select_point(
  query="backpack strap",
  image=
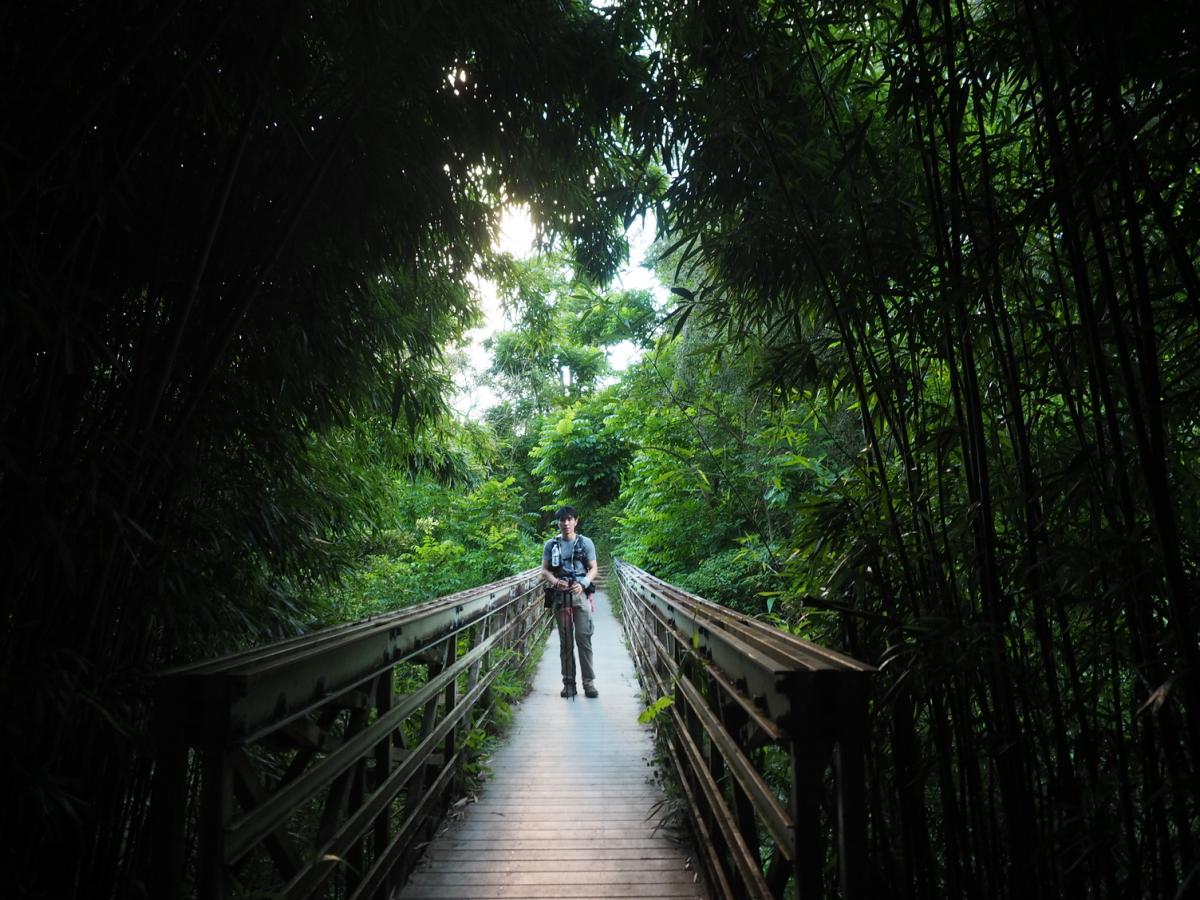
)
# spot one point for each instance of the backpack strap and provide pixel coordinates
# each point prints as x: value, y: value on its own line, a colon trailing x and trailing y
x: 579, y: 553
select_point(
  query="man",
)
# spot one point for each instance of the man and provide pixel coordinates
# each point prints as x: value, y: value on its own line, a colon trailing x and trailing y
x: 569, y: 569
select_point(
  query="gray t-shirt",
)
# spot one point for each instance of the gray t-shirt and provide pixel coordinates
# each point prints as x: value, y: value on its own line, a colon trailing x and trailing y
x: 569, y: 564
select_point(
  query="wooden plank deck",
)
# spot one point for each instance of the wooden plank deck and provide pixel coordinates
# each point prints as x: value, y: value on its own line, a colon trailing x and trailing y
x: 568, y: 809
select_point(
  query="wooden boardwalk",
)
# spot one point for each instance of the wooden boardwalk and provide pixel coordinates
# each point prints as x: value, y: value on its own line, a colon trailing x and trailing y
x: 568, y: 810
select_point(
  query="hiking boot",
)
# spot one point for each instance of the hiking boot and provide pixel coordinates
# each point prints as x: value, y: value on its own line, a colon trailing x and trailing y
x: 591, y: 692
x: 567, y: 691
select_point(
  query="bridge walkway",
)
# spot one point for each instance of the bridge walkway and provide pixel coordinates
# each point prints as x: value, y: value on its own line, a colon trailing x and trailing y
x: 572, y: 808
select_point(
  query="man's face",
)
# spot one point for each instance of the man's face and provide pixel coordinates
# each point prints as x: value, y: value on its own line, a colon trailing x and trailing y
x: 567, y: 526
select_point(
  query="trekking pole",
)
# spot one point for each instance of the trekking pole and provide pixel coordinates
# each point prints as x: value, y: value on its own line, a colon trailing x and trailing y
x: 574, y: 690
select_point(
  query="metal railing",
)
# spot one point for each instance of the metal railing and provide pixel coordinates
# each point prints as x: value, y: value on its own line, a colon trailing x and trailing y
x: 315, y: 765
x: 765, y: 732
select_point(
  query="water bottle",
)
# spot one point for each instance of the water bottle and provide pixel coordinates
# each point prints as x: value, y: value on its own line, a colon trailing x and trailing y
x: 555, y: 556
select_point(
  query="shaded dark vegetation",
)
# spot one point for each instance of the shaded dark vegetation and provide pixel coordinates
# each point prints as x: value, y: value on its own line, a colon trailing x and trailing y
x: 928, y: 394
x: 230, y: 230
x: 976, y: 224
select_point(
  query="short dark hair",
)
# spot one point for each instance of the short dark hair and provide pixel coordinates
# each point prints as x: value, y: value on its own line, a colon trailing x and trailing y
x: 566, y: 512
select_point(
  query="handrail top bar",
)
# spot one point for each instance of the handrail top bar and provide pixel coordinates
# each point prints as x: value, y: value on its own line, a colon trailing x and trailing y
x: 796, y: 649
x: 243, y: 661
x: 763, y: 660
x: 243, y: 695
x: 768, y: 640
x: 786, y: 690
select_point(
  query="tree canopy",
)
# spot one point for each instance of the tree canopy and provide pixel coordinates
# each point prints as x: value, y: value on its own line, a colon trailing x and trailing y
x: 926, y: 391
x: 973, y: 225
x: 228, y: 229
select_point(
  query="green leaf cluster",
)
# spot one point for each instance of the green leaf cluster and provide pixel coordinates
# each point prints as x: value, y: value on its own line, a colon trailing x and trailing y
x: 964, y: 237
x: 440, y: 539
x: 231, y: 234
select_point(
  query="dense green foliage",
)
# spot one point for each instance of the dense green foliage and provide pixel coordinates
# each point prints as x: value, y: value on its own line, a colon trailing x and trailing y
x: 937, y: 407
x: 229, y: 231
x: 441, y: 539
x: 974, y: 226
x: 927, y: 394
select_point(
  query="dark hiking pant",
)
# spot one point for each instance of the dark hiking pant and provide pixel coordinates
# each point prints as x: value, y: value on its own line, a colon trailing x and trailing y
x: 575, y: 627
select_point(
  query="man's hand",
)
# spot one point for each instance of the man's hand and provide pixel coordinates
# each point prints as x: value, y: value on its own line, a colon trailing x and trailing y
x: 560, y: 585
x: 576, y: 587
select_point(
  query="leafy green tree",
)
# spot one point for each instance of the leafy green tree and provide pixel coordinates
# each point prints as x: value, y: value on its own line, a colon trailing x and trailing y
x: 547, y: 359
x: 442, y: 539
x: 228, y: 229
x: 606, y: 318
x: 971, y: 226
x: 550, y: 368
x: 710, y: 469
x: 580, y: 459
